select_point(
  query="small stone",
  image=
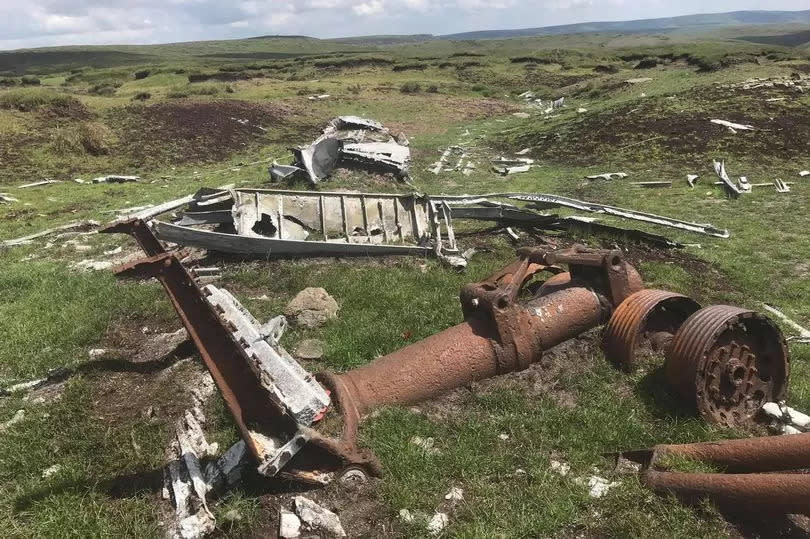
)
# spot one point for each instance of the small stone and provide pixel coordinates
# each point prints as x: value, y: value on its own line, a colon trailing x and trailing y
x: 289, y: 526
x: 406, y: 516
x: 96, y: 353
x: 51, y: 470
x: 438, y: 523
x: 311, y: 308
x: 503, y: 437
x: 353, y: 477
x: 309, y: 349
x: 597, y: 486
x: 560, y: 467
x: 317, y: 517
x: 455, y: 495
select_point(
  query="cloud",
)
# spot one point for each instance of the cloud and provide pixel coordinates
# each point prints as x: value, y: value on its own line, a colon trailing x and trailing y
x: 32, y: 23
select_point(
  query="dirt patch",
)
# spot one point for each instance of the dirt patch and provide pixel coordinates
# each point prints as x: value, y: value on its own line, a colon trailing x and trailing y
x: 199, y: 131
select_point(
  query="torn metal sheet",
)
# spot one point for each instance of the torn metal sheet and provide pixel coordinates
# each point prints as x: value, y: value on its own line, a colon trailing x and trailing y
x: 6, y: 199
x: 691, y: 179
x: 781, y: 186
x: 804, y: 173
x: 280, y: 173
x: 154, y: 211
x: 114, y: 178
x: 217, y: 217
x: 731, y: 188
x: 546, y: 201
x: 391, y: 155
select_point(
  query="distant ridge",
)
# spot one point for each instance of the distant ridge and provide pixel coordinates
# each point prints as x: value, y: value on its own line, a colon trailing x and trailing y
x: 735, y: 18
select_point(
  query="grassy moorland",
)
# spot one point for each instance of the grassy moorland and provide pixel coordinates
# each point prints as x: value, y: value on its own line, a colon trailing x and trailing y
x: 167, y: 113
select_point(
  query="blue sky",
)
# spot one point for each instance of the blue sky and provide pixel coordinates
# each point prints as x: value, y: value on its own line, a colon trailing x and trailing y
x: 34, y: 23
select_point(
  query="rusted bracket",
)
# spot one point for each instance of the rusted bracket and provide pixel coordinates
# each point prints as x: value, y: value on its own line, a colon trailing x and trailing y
x: 138, y: 229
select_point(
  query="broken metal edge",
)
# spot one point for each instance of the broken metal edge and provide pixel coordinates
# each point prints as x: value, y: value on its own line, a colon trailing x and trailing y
x: 247, y: 245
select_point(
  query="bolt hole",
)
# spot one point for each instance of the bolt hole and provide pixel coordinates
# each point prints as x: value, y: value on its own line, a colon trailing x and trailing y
x: 615, y: 261
x: 503, y: 302
x: 738, y: 374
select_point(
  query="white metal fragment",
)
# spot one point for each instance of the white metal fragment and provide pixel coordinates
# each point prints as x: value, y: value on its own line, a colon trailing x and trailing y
x: 582, y: 110
x: 522, y: 115
x: 438, y: 523
x: 38, y: 184
x: 318, y: 517
x: 691, y: 179
x: 524, y: 151
x: 608, y: 176
x: 732, y: 188
x: 114, y: 178
x: 289, y: 525
x: 733, y: 126
x: 6, y: 199
x: 638, y: 80
x: 598, y: 486
x: 804, y: 173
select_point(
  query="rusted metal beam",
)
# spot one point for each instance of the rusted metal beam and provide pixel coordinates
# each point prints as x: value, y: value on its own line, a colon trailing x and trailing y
x: 138, y: 229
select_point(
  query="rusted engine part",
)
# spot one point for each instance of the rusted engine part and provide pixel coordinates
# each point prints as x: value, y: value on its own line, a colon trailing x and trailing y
x: 646, y: 320
x: 271, y: 402
x: 727, y: 362
x: 499, y: 335
x: 300, y: 223
x: 751, y: 478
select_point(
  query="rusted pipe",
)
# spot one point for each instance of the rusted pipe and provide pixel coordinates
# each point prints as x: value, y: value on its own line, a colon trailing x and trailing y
x: 766, y: 454
x: 470, y: 351
x: 771, y: 493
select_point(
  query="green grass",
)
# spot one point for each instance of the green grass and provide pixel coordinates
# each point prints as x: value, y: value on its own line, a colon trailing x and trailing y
x: 51, y: 314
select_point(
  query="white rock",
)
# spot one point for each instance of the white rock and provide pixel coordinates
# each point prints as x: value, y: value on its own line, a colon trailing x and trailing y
x: 598, y: 486
x: 406, y: 516
x: 289, y: 526
x: 96, y: 353
x: 426, y: 445
x: 317, y: 517
x: 804, y: 173
x: 503, y: 437
x: 456, y: 494
x: 560, y: 467
x: 51, y: 470
x: 581, y: 110
x: 438, y: 523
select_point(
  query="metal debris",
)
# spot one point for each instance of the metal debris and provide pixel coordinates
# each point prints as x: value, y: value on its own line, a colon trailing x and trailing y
x: 18, y: 416
x: 320, y: 97
x: 353, y: 140
x: 733, y: 127
x: 545, y: 201
x: 781, y: 186
x: 638, y: 80
x: 804, y: 173
x: 75, y: 225
x: 39, y: 184
x: 691, y: 179
x: 653, y: 184
x: 113, y: 178
x: 6, y: 199
x: 279, y: 173
x: 731, y: 188
x: 506, y: 166
x: 608, y: 176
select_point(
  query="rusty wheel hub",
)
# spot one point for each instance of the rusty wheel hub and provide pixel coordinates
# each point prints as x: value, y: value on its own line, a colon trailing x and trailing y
x: 647, y: 319
x: 729, y: 362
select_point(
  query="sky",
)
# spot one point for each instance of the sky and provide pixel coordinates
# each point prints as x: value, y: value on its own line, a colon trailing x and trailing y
x: 38, y: 23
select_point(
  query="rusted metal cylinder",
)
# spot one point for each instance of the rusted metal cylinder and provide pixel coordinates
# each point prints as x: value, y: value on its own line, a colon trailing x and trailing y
x: 469, y: 351
x: 765, y: 454
x: 772, y: 493
x: 727, y: 362
x: 644, y: 313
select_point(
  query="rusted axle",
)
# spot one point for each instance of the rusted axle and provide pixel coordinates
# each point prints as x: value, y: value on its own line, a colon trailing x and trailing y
x: 749, y: 483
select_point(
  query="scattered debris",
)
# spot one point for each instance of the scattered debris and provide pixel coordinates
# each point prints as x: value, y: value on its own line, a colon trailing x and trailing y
x: 426, y: 445
x: 309, y: 349
x: 561, y: 468
x: 691, y: 179
x: 318, y: 518
x: 350, y: 139
x: 597, y: 486
x: 638, y: 80
x: 608, y: 176
x: 786, y: 420
x: 522, y: 115
x: 6, y: 199
x: 653, y: 184
x: 506, y: 166
x: 115, y: 179
x: 804, y: 173
x: 75, y: 225
x: 320, y: 97
x: 279, y: 173
x: 524, y: 151
x: 731, y: 188
x: 38, y: 184
x: 438, y: 523
x: 311, y: 308
x: 96, y: 353
x: 454, y: 495
x: 781, y: 186
x: 733, y: 127
x: 581, y: 110
x: 18, y: 416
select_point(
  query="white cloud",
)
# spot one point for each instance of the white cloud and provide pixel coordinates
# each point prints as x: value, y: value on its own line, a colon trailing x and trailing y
x: 374, y: 7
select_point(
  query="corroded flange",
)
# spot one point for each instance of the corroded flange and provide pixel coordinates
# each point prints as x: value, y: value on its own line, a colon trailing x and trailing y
x: 728, y: 362
x: 646, y: 316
